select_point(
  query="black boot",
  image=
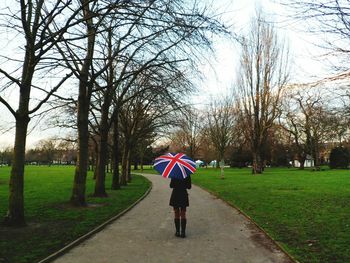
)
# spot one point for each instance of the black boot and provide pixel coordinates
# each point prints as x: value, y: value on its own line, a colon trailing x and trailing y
x: 183, y: 227
x: 177, y: 226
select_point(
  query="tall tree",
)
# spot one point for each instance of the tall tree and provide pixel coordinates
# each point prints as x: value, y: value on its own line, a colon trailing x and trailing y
x: 78, y: 51
x: 262, y: 76
x: 220, y: 126
x: 150, y: 111
x: 41, y: 25
x: 154, y: 35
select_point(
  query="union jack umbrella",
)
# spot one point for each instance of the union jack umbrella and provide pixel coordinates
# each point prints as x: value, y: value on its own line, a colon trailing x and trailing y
x: 175, y: 166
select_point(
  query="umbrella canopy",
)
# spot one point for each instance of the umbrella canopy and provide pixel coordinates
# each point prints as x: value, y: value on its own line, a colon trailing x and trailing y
x: 176, y: 166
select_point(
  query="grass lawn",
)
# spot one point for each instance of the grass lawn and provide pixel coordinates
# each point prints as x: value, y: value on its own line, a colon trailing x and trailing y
x: 307, y: 212
x: 52, y: 222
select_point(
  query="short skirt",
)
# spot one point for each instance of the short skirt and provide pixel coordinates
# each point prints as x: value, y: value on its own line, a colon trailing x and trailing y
x: 179, y: 198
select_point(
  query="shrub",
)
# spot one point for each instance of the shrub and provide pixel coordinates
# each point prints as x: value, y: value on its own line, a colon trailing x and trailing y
x: 339, y: 158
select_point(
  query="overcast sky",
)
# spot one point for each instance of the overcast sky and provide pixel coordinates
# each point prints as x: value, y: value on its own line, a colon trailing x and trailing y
x: 220, y: 73
x: 304, y: 54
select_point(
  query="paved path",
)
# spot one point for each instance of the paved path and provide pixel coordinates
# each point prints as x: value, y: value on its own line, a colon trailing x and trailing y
x: 215, y: 233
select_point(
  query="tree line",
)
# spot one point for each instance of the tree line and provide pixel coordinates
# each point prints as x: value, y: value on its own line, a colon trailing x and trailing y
x: 307, y: 127
x: 115, y: 71
x: 118, y: 74
x: 267, y: 120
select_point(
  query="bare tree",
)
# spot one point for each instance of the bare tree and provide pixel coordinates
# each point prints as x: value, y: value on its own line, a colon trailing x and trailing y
x: 49, y: 151
x: 148, y: 43
x: 262, y: 76
x: 78, y: 52
x: 144, y: 34
x: 187, y: 135
x: 41, y: 25
x: 329, y: 20
x: 6, y: 156
x: 151, y: 111
x: 220, y: 127
x: 310, y: 123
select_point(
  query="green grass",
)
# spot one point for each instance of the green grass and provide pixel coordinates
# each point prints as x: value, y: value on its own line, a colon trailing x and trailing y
x: 52, y: 222
x: 307, y: 213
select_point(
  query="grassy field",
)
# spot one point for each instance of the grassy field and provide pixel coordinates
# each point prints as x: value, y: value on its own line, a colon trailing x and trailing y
x: 52, y: 222
x: 306, y: 212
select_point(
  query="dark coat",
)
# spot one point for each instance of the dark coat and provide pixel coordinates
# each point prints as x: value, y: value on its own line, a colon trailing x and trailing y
x: 179, y: 196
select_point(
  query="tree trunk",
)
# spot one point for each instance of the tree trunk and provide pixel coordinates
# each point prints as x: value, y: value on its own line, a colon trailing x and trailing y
x: 141, y: 161
x: 222, y: 176
x: 100, y: 189
x: 125, y: 166
x: 79, y: 184
x: 115, y: 179
x: 136, y: 165
x: 125, y: 178
x: 95, y: 169
x: 302, y: 162
x: 15, y: 214
x: 93, y: 161
x: 102, y: 165
x: 85, y: 89
x: 257, y: 168
x: 129, y: 170
x: 316, y: 156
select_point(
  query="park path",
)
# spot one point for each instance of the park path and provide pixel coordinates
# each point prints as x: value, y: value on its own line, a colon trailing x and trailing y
x: 215, y: 233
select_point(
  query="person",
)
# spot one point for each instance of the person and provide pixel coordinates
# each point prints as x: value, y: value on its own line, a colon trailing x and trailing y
x: 179, y: 201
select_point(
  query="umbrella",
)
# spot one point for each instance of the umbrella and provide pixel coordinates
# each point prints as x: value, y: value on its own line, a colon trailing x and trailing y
x: 176, y: 166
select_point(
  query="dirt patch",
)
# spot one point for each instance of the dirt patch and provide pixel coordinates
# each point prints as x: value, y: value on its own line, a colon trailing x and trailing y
x: 260, y: 238
x: 91, y: 205
x: 69, y: 206
x: 265, y: 241
x: 26, y: 230
x: 33, y: 241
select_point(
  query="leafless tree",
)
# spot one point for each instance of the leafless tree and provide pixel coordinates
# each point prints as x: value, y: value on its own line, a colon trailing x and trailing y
x: 330, y: 21
x: 310, y: 122
x: 262, y: 76
x: 155, y: 37
x: 151, y: 111
x: 38, y: 26
x: 220, y: 126
x: 188, y: 133
x: 6, y: 156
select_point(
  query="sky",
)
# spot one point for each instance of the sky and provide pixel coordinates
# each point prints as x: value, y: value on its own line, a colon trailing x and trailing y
x: 219, y: 73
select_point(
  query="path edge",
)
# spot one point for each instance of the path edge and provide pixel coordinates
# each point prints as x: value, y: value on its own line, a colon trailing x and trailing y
x: 97, y: 229
x: 250, y: 220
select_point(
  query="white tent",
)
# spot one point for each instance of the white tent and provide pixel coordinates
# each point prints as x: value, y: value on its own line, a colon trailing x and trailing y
x: 199, y: 163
